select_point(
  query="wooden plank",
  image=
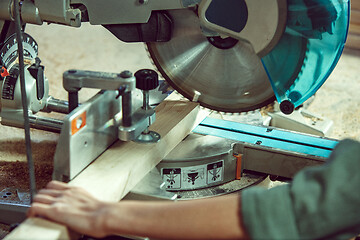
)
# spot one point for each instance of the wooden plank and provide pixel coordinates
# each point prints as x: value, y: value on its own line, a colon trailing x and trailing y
x: 122, y: 166
x: 41, y: 229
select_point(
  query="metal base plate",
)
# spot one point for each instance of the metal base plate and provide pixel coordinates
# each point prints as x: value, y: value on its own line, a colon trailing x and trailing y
x: 199, y: 167
x: 13, y: 205
x: 150, y: 137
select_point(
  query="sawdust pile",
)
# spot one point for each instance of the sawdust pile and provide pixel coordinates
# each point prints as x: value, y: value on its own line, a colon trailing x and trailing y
x: 15, y: 174
x: 4, y: 230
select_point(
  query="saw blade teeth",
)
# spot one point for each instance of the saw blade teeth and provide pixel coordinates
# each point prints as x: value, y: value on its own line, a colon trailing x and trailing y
x: 301, y: 71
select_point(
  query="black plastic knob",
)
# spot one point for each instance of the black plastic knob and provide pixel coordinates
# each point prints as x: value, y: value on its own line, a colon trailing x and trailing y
x: 146, y: 79
x: 287, y: 107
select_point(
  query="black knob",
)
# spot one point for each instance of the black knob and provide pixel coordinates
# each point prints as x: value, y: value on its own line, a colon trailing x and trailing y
x: 146, y: 79
x: 287, y: 107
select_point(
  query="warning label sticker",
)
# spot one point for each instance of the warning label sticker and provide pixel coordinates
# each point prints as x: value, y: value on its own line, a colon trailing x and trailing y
x: 193, y: 177
x: 172, y: 178
x: 215, y: 172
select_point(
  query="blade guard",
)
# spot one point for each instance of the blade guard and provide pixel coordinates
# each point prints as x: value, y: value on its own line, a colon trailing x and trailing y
x: 318, y: 29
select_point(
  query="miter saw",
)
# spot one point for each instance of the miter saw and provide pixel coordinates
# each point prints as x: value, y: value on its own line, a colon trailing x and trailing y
x: 230, y: 56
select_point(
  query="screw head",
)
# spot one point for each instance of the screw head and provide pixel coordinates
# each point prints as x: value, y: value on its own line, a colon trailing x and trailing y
x: 126, y: 74
x: 79, y: 122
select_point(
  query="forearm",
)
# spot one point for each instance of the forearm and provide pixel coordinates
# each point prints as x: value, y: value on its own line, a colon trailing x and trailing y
x: 216, y: 218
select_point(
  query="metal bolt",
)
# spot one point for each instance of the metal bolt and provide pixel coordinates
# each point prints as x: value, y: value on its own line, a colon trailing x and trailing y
x: 79, y: 122
x: 126, y: 74
x: 143, y: 1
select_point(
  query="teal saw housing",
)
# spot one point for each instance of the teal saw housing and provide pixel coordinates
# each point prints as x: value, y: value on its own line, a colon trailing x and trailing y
x: 314, y: 38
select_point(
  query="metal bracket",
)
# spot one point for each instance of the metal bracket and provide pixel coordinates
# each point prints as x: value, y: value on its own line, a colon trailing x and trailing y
x: 58, y: 12
x: 273, y: 161
x: 302, y: 121
x: 13, y: 206
x: 140, y: 121
x: 86, y: 133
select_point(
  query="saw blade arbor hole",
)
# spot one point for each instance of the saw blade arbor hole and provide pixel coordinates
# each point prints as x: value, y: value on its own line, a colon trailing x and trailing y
x: 223, y: 43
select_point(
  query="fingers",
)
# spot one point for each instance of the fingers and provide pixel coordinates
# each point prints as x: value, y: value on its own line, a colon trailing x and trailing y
x: 49, y: 212
x: 45, y: 199
x: 39, y: 209
x: 50, y: 192
x: 53, y: 189
x: 57, y: 185
x: 44, y: 202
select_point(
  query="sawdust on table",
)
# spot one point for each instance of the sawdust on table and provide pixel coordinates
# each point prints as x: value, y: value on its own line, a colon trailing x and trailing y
x: 15, y: 173
x: 4, y: 230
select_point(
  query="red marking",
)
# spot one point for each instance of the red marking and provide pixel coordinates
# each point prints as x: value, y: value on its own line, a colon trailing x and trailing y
x: 4, y: 72
x: 78, y: 123
x: 238, y: 166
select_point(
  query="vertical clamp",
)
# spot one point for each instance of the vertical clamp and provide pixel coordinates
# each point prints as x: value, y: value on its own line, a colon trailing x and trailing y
x: 142, y: 118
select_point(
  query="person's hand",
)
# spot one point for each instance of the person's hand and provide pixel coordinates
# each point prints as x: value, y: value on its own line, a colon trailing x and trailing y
x: 71, y: 206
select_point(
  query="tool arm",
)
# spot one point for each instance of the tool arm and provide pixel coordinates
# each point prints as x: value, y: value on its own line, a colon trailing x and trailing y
x: 215, y: 218
x: 73, y: 12
x: 321, y: 203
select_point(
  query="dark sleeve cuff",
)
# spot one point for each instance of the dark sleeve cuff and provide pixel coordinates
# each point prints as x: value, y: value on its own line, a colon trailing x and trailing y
x: 267, y: 214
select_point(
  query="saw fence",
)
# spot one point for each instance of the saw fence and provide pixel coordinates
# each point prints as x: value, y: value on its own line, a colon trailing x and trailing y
x: 354, y: 31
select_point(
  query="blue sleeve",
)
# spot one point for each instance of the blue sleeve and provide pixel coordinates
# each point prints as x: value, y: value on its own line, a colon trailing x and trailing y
x: 322, y: 202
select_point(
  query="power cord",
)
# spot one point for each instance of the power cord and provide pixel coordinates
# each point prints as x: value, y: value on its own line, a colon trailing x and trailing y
x: 18, y: 32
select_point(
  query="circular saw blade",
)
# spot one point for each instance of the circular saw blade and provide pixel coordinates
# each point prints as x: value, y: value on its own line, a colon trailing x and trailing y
x: 229, y: 80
